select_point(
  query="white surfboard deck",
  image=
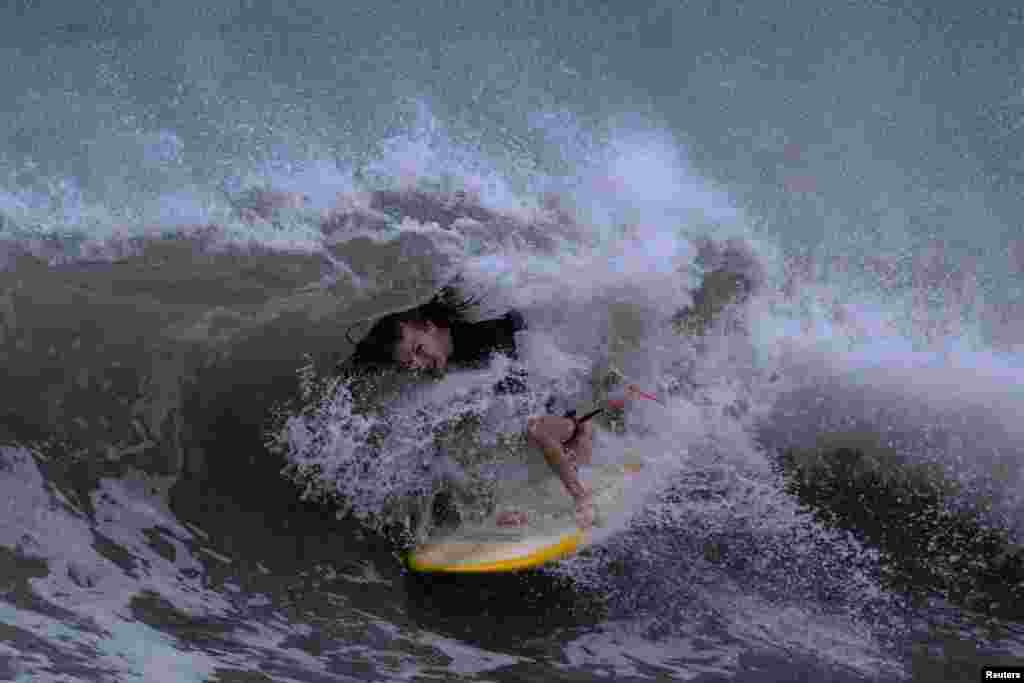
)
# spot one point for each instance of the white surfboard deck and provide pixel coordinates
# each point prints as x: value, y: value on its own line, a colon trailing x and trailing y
x: 550, y: 532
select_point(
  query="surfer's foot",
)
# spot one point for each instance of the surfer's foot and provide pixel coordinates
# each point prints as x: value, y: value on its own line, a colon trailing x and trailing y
x: 511, y: 518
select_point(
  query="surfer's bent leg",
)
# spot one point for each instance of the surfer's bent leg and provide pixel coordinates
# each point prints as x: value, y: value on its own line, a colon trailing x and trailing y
x: 548, y: 434
x: 581, y: 448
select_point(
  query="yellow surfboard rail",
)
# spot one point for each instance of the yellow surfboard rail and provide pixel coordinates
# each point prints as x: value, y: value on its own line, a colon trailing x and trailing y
x: 466, y: 555
x: 565, y: 546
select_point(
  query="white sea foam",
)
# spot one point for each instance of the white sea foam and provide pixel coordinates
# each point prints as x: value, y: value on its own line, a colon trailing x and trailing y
x: 904, y: 341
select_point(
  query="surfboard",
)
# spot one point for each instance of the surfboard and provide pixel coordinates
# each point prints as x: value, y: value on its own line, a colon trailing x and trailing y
x: 550, y: 532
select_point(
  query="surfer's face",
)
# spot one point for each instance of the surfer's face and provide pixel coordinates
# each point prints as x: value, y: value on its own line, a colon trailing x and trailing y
x: 424, y: 347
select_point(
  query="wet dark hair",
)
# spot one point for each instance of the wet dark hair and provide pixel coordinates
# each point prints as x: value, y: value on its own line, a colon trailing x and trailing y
x: 377, y: 349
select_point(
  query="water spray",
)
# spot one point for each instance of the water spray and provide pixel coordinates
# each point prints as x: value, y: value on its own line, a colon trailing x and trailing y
x: 632, y: 393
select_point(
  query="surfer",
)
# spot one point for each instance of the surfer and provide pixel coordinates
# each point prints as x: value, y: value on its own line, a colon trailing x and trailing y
x: 437, y: 335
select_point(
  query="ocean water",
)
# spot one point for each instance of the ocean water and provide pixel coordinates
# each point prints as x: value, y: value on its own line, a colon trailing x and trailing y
x: 798, y: 224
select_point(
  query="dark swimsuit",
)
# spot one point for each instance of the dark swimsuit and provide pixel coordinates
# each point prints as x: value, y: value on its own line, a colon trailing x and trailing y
x: 474, y: 343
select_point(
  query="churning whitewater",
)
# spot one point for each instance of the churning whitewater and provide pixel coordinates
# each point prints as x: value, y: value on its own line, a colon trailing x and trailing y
x: 797, y: 227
